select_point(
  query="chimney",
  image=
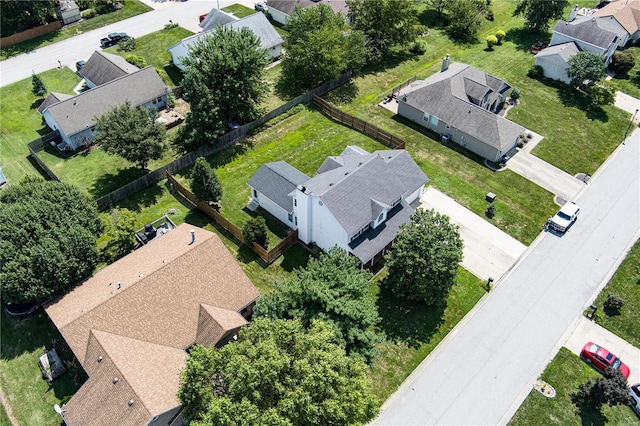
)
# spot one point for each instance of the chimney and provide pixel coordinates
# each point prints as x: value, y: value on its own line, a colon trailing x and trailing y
x: 445, y: 63
x: 573, y: 13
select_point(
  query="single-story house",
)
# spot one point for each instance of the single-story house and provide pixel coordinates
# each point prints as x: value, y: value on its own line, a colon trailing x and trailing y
x: 68, y: 11
x: 132, y: 324
x: 356, y: 201
x: 104, y: 67
x: 74, y: 116
x: 270, y: 40
x: 215, y: 18
x: 461, y: 103
x: 626, y: 13
x: 280, y: 10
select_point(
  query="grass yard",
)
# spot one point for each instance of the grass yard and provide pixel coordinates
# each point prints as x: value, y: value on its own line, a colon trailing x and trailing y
x: 130, y: 8
x: 565, y: 373
x: 629, y: 83
x: 239, y: 10
x: 625, y: 282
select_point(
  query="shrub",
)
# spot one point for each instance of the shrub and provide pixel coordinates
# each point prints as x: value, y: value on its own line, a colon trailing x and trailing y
x: 536, y: 71
x: 500, y: 35
x: 613, y: 304
x: 89, y: 13
x: 136, y: 60
x: 491, y: 41
x: 418, y: 48
x: 491, y: 210
x: 515, y: 95
x: 490, y: 16
x: 127, y: 45
x: 520, y: 143
x: 623, y: 61
x: 255, y: 231
x: 170, y: 26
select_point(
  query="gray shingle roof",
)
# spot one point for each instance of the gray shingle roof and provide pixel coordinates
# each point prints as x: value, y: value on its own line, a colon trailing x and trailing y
x: 78, y: 112
x: 288, y: 6
x: 585, y: 29
x: 277, y: 181
x: 104, y: 67
x: 443, y: 95
x: 216, y: 18
x: 565, y: 50
x: 53, y: 98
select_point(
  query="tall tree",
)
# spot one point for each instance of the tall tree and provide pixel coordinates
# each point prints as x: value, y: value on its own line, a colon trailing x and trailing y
x: 423, y: 263
x: 119, y: 229
x: 334, y: 290
x: 255, y: 231
x: 16, y: 15
x: 319, y: 46
x: 610, y: 388
x: 538, y: 13
x: 224, y: 78
x: 602, y: 94
x: 47, y: 239
x: 37, y: 85
x: 465, y: 19
x: 131, y: 133
x: 439, y: 6
x: 204, y: 182
x: 277, y: 373
x: 586, y: 68
x: 385, y: 24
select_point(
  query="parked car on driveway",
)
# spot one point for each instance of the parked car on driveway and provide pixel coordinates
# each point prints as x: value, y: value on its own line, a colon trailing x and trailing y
x: 112, y: 39
x: 565, y: 217
x: 600, y: 359
x: 634, y: 398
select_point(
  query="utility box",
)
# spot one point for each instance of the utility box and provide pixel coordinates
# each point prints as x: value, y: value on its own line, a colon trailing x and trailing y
x: 490, y: 197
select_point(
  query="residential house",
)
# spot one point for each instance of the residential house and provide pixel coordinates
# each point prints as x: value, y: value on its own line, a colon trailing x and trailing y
x: 280, y: 10
x: 270, y: 40
x: 461, y: 103
x: 104, y: 67
x: 626, y: 13
x: 356, y: 201
x: 132, y: 324
x: 68, y: 11
x: 215, y: 18
x: 74, y: 117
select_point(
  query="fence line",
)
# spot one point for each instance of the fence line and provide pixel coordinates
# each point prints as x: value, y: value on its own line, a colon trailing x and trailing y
x: 267, y: 256
x: 29, y: 34
x: 38, y: 145
x: 396, y: 90
x: 359, y: 124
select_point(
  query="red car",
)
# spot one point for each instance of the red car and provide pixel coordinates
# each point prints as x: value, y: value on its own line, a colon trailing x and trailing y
x: 601, y: 358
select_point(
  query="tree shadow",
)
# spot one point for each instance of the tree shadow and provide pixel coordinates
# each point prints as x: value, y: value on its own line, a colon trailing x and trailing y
x: 227, y: 155
x: 571, y: 97
x: 410, y: 322
x: 524, y: 38
x: 142, y: 199
x: 174, y: 74
x: 431, y: 19
x: 36, y: 103
x: 295, y: 257
x: 589, y: 415
x: 111, y: 181
x: 344, y: 94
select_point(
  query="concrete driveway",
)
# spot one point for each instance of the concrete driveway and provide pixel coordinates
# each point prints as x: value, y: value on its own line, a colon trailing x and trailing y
x: 488, y: 251
x: 588, y: 331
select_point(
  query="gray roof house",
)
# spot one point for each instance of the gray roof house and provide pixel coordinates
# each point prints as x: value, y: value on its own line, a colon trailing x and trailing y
x: 280, y: 10
x: 74, y: 116
x: 356, y: 201
x: 215, y: 18
x: 270, y: 40
x: 461, y: 104
x: 104, y: 67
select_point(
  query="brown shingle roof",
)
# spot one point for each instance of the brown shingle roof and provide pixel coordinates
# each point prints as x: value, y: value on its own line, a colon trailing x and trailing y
x: 144, y: 326
x: 626, y: 12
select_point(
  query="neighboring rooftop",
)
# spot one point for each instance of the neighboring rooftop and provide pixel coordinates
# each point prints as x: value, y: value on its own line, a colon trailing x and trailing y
x: 277, y: 181
x: 215, y: 18
x: 288, y: 6
x: 626, y: 12
x: 565, y: 50
x: 104, y: 67
x: 587, y: 30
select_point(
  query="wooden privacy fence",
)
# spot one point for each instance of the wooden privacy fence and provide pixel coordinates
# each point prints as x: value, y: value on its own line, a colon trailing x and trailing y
x: 267, y: 256
x: 38, y: 145
x: 29, y: 34
x: 372, y: 130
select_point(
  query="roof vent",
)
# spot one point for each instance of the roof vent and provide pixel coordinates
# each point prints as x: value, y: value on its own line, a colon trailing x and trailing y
x: 331, y: 184
x: 119, y: 285
x: 115, y: 380
x: 140, y: 275
x: 100, y: 360
x: 84, y: 309
x: 130, y: 402
x: 346, y: 173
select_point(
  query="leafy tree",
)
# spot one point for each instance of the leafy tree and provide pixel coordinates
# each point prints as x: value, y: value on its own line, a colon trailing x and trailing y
x: 38, y: 88
x: 224, y: 78
x: 491, y: 41
x: 47, y: 239
x: 334, y: 290
x: 500, y: 35
x: 602, y: 94
x: 127, y: 44
x: 136, y: 60
x: 610, y: 388
x: 385, y: 24
x: 465, y: 19
x: 586, y: 67
x: 538, y: 13
x: 131, y: 133
x: 424, y: 260
x: 623, y: 61
x: 204, y: 182
x: 119, y: 227
x: 439, y: 6
x: 255, y: 231
x: 613, y: 304
x: 515, y: 94
x: 277, y: 373
x: 319, y: 47
x: 16, y: 16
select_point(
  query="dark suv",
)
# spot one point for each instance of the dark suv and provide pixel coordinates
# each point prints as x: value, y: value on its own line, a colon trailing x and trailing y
x: 112, y: 39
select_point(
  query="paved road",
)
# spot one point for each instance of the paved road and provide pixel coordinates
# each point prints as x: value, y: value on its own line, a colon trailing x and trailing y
x: 82, y: 46
x: 485, y: 367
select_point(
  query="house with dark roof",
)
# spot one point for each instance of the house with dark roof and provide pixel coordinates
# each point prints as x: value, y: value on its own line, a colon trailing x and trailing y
x: 626, y: 13
x: 74, y: 117
x: 215, y: 18
x: 270, y: 40
x: 132, y: 324
x: 280, y: 10
x: 104, y: 67
x: 461, y: 103
x: 356, y: 201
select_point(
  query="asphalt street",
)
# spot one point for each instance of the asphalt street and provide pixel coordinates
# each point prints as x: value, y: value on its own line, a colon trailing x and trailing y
x: 485, y: 367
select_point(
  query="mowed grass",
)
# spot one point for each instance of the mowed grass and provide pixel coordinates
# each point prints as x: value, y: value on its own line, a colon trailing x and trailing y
x: 130, y: 8
x: 626, y: 283
x: 565, y: 373
x: 239, y: 10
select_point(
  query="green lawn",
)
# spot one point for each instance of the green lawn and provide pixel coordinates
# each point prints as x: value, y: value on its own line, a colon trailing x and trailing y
x: 565, y: 373
x: 130, y: 8
x: 629, y: 83
x: 625, y: 282
x: 4, y: 418
x: 239, y: 10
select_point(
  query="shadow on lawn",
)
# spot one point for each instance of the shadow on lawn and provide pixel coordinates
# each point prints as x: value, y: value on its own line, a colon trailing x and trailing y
x: 524, y: 38
x: 112, y: 181
x: 411, y: 322
x: 589, y: 415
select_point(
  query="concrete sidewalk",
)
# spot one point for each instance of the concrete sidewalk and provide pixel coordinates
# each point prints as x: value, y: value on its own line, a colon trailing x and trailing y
x: 488, y: 251
x: 589, y: 331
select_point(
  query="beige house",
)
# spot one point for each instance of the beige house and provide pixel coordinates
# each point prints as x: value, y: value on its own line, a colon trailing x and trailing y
x: 132, y: 324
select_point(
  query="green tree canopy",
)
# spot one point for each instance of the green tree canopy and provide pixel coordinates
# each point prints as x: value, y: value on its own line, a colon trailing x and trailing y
x: 131, y: 133
x: 37, y: 85
x: 119, y: 227
x: 224, y: 78
x: 277, y: 373
x: 602, y: 94
x: 47, y: 239
x: 16, y: 15
x: 586, y: 67
x: 319, y: 47
x: 385, y: 24
x: 334, y: 290
x: 255, y: 231
x: 465, y: 19
x: 204, y: 182
x: 439, y: 6
x: 538, y: 13
x: 423, y: 263
x: 610, y: 388
x: 623, y: 61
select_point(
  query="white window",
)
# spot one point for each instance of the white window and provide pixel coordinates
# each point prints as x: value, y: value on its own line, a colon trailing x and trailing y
x: 290, y: 217
x: 434, y: 120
